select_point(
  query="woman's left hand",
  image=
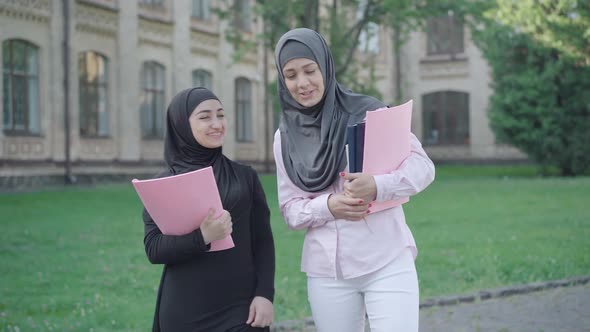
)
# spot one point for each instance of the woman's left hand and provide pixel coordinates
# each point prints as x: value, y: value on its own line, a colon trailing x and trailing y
x: 359, y: 185
x: 261, y: 312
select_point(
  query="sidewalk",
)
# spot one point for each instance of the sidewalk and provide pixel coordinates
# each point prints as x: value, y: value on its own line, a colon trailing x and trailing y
x: 565, y: 309
x: 555, y: 306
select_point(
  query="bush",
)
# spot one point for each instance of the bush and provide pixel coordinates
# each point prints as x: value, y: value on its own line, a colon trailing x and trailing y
x: 541, y: 99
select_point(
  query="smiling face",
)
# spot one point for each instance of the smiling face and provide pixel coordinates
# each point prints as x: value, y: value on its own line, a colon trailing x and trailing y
x: 304, y: 81
x: 208, y: 123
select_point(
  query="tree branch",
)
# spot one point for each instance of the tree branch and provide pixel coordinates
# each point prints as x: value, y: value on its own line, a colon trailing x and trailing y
x: 355, y: 31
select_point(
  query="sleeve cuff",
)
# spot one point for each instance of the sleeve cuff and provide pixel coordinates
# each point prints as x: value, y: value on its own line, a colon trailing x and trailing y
x: 381, y: 181
x: 319, y: 208
x: 200, y: 241
x: 269, y: 294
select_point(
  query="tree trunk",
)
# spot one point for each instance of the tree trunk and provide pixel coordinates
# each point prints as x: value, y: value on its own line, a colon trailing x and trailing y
x: 398, y: 65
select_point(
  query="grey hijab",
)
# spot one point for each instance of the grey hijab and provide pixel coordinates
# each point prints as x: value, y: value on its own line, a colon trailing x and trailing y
x: 313, y: 138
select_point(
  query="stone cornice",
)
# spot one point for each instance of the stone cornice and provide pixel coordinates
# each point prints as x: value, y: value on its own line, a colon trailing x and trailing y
x: 441, y: 69
x: 104, y: 4
x: 204, y: 43
x: 96, y: 20
x: 156, y: 33
x: 29, y: 10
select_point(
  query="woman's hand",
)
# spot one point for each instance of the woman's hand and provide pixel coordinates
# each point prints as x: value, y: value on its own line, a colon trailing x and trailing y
x: 216, y: 229
x: 261, y: 312
x: 344, y: 207
x: 360, y: 186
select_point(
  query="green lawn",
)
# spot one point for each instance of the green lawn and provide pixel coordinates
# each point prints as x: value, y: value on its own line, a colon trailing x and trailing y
x: 73, y: 259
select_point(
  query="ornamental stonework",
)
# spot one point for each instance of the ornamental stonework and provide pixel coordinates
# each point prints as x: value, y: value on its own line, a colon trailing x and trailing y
x: 444, y: 69
x: 155, y: 33
x: 27, y: 10
x: 24, y: 148
x: 250, y: 58
x: 204, y: 43
x: 152, y: 149
x: 96, y: 20
x: 97, y: 149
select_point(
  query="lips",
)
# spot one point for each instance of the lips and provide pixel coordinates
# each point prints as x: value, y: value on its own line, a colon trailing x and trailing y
x: 306, y: 95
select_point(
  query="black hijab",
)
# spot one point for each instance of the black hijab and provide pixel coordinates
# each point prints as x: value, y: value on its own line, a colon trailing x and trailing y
x: 183, y: 153
x: 313, y: 138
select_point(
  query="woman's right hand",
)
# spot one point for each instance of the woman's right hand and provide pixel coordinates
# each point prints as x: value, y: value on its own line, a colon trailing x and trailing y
x: 216, y: 228
x: 345, y: 207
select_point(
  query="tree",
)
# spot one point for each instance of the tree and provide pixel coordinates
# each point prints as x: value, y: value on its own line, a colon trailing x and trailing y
x: 342, y: 28
x: 540, y: 102
x: 560, y: 24
x: 343, y: 22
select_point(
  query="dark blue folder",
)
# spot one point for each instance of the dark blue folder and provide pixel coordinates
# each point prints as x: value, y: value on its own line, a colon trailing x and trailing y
x: 355, y: 138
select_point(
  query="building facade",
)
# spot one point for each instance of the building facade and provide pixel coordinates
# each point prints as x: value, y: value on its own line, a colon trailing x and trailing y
x: 104, y: 71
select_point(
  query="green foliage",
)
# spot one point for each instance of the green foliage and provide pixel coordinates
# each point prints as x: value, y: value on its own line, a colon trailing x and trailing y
x: 341, y: 23
x: 367, y: 86
x: 560, y: 24
x: 540, y: 102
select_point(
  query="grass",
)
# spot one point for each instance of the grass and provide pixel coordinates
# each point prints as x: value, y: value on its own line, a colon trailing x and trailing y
x: 73, y: 259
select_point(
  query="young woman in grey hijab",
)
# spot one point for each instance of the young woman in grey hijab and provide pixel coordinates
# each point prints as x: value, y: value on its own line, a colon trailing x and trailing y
x: 353, y: 268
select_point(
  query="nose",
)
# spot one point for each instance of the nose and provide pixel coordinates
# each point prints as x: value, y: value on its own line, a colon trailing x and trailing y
x: 216, y: 123
x: 302, y: 82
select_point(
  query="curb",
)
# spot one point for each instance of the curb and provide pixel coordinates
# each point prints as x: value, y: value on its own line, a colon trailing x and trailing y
x: 486, y: 294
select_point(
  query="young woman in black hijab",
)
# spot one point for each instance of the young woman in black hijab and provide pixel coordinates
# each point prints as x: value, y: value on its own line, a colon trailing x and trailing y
x: 228, y: 290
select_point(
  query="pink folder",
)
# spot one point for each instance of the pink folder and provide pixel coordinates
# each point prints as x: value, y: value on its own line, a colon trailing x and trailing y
x: 179, y: 203
x: 387, y: 144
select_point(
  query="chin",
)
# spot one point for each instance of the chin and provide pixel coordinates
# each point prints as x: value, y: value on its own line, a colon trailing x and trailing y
x: 309, y: 103
x: 214, y: 145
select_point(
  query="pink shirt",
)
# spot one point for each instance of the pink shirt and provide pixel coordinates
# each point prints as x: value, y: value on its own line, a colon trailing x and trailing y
x: 341, y: 249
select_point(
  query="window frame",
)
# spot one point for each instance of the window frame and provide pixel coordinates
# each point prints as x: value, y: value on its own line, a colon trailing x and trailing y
x: 206, y: 76
x: 204, y: 10
x: 156, y: 70
x: 448, y: 113
x: 153, y: 3
x: 243, y: 15
x: 28, y: 76
x: 436, y: 27
x: 243, y: 107
x: 89, y: 109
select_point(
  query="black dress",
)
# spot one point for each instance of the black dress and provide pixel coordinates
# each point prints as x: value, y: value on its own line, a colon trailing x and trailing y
x: 212, y: 291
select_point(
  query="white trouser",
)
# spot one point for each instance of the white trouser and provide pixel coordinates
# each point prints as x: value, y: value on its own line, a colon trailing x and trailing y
x: 389, y: 296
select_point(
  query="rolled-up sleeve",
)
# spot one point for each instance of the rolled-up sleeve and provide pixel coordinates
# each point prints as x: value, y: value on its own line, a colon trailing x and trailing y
x: 414, y: 174
x: 299, y: 209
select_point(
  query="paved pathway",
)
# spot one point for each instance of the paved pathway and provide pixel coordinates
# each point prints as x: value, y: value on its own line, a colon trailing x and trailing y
x: 561, y: 306
x: 565, y: 309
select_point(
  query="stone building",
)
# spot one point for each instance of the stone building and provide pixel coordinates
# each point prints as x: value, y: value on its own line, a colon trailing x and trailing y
x: 126, y: 59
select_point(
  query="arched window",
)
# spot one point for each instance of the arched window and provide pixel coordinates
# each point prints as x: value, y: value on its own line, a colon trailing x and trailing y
x: 202, y: 78
x: 20, y: 81
x: 93, y: 94
x: 445, y: 117
x: 243, y: 110
x: 153, y: 84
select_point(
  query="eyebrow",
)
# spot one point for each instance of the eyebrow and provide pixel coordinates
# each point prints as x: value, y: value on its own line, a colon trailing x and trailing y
x: 209, y: 111
x: 304, y: 66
